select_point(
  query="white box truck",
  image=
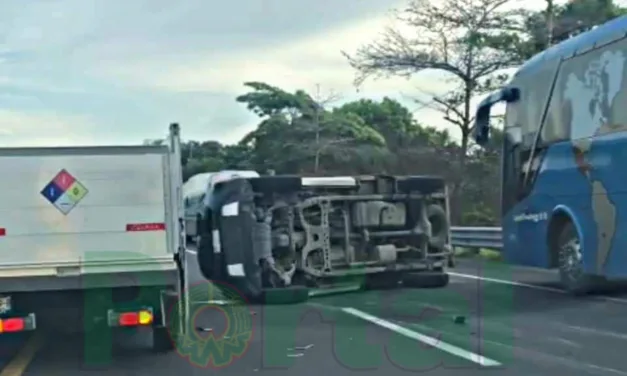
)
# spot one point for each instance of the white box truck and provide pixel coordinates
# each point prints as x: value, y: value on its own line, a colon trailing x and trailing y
x: 91, y: 237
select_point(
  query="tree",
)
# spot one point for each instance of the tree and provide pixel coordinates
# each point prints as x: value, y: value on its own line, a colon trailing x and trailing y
x: 360, y: 137
x: 470, y: 40
x: 559, y: 22
x: 296, y: 129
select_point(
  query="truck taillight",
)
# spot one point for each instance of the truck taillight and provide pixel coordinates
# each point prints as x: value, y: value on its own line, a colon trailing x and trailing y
x: 3, y: 231
x: 135, y: 318
x: 12, y: 325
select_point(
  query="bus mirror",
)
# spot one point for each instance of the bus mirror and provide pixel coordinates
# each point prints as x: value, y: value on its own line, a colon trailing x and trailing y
x: 510, y: 94
x: 482, y: 125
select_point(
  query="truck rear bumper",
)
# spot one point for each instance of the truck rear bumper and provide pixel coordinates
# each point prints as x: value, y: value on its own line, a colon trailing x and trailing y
x: 74, y: 311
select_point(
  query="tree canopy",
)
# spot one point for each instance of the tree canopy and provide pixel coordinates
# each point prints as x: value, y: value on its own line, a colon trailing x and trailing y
x: 473, y: 41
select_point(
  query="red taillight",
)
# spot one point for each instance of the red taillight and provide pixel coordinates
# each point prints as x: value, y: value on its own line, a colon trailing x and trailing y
x: 12, y: 325
x: 143, y: 317
x: 145, y: 227
x: 3, y: 231
x: 128, y: 319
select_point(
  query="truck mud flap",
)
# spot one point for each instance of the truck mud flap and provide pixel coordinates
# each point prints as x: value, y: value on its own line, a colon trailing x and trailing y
x: 233, y: 217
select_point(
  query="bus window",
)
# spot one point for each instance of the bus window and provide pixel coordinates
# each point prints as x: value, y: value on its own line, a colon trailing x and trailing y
x: 535, y: 93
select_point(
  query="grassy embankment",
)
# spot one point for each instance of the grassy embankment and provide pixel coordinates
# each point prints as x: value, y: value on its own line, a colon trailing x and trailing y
x: 486, y: 254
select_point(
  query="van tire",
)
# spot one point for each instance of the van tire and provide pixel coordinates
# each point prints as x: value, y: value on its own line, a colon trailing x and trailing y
x: 437, y: 215
x: 276, y: 184
x: 426, y: 280
x: 383, y: 281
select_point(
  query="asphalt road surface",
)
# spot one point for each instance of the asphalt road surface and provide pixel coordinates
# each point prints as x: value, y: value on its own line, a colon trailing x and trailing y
x: 492, y: 318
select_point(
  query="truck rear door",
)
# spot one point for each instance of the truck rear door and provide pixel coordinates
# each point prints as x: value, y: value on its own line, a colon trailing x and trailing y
x: 84, y: 207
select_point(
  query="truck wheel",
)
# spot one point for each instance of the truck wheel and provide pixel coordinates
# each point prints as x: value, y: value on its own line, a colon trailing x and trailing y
x: 161, y: 340
x: 570, y: 263
x: 383, y: 281
x: 285, y: 295
x: 426, y: 280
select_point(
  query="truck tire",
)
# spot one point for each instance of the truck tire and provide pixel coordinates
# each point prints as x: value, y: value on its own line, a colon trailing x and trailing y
x: 285, y: 295
x: 162, y: 342
x: 276, y: 184
x: 570, y: 264
x: 426, y: 280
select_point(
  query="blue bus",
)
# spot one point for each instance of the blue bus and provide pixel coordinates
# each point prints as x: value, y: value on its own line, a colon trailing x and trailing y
x: 564, y: 161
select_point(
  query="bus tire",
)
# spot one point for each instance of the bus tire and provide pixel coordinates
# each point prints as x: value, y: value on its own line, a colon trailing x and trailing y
x: 570, y: 263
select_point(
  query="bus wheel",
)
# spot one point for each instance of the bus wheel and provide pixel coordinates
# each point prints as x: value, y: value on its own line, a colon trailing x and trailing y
x: 570, y: 262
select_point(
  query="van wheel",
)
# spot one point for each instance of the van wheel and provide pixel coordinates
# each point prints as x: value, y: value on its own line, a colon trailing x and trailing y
x: 570, y: 263
x: 383, y: 281
x: 426, y: 280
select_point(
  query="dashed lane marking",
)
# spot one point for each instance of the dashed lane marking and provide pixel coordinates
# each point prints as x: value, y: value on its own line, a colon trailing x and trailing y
x: 430, y: 341
x: 531, y: 286
x: 24, y: 357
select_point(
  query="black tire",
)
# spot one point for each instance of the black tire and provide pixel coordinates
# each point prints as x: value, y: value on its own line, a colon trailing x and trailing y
x: 570, y: 263
x: 424, y: 280
x: 276, y: 184
x: 423, y: 184
x: 162, y: 342
x: 284, y: 295
x: 383, y: 281
x: 439, y: 222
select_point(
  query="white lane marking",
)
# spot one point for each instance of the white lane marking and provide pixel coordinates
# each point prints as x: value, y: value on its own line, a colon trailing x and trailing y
x: 535, y: 287
x: 191, y: 251
x: 216, y: 302
x: 596, y: 332
x: 505, y: 282
x: 430, y: 341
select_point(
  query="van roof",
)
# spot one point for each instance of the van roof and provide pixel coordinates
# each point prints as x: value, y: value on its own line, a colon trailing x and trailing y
x: 603, y: 33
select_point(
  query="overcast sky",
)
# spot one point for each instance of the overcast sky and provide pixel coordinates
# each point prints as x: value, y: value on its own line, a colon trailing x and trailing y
x: 117, y: 72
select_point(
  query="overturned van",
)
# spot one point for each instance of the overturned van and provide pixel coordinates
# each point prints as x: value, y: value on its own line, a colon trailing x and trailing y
x: 290, y: 233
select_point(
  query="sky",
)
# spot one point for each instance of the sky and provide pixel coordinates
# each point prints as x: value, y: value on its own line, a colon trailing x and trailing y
x: 102, y: 72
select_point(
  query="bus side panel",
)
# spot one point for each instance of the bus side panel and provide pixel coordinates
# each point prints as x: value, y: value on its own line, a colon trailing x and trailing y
x: 525, y: 226
x: 608, y: 205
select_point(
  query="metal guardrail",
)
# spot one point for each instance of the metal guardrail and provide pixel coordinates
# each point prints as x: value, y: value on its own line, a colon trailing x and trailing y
x: 477, y: 237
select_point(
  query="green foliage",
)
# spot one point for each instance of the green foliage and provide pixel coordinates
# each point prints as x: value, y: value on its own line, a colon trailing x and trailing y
x: 298, y: 135
x: 471, y: 40
x: 569, y: 19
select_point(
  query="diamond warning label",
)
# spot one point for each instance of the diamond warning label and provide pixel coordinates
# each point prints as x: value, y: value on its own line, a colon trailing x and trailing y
x: 64, y: 192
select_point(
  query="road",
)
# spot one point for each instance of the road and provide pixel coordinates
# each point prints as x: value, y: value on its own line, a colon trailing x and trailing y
x: 492, y: 318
